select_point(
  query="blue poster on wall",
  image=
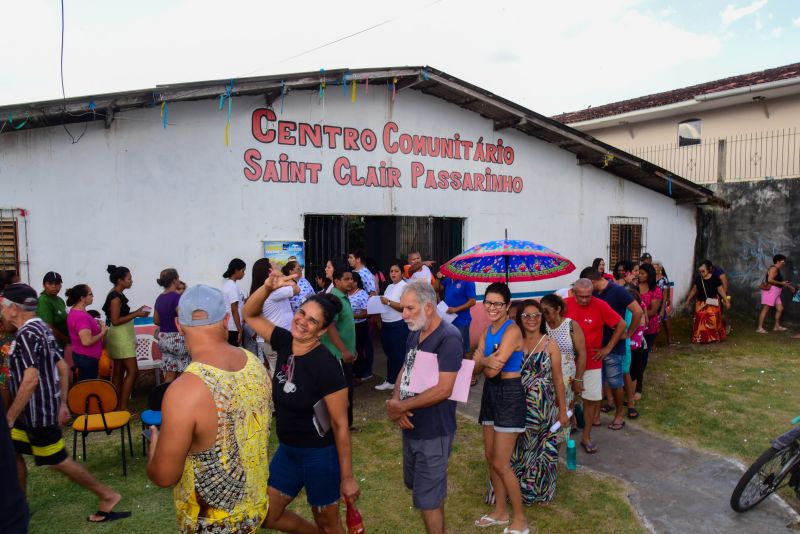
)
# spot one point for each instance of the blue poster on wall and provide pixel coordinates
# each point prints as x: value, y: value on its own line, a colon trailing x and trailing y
x: 279, y: 253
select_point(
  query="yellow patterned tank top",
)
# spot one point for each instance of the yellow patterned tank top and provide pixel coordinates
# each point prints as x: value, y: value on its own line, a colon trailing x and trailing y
x: 224, y: 488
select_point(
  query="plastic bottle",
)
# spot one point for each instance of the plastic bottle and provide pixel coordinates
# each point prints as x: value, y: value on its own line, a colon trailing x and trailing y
x: 355, y: 524
x: 579, y: 420
x: 572, y: 456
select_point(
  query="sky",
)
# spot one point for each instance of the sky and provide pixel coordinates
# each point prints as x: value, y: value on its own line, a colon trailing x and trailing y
x: 549, y: 56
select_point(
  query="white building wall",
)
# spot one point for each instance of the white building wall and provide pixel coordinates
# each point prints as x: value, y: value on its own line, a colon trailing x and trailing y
x: 148, y: 198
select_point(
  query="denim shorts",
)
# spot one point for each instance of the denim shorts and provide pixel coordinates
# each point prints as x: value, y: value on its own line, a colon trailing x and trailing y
x: 612, y: 371
x: 425, y: 470
x: 503, y: 405
x: 315, y: 468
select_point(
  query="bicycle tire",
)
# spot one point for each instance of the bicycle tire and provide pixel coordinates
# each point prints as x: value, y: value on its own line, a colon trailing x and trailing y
x: 740, y: 505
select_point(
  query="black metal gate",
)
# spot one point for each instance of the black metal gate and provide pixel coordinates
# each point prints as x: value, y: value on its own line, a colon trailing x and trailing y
x: 382, y: 238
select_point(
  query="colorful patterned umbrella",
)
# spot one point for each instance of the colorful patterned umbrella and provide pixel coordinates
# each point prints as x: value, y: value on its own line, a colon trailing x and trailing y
x: 507, y: 260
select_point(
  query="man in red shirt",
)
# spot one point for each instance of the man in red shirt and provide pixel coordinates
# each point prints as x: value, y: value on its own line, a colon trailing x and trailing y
x: 592, y: 314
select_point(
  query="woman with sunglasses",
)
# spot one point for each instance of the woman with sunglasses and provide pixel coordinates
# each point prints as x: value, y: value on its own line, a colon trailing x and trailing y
x: 502, y: 415
x: 308, y: 384
x: 85, y: 333
x: 535, y: 457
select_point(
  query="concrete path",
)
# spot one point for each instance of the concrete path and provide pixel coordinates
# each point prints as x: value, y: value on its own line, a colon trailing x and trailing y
x: 673, y: 489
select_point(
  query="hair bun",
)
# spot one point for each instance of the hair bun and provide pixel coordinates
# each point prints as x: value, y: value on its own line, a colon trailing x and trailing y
x: 111, y: 268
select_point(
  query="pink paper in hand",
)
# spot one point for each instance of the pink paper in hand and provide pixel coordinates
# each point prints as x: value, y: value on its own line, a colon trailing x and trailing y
x: 425, y: 375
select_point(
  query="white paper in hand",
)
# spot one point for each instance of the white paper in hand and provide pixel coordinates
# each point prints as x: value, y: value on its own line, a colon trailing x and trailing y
x: 375, y: 306
x: 441, y: 308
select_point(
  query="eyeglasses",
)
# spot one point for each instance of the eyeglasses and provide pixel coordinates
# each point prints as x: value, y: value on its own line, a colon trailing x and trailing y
x: 490, y: 304
x: 535, y: 315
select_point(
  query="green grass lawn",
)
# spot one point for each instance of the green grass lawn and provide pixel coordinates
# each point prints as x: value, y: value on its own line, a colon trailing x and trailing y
x: 584, y: 502
x: 731, y: 397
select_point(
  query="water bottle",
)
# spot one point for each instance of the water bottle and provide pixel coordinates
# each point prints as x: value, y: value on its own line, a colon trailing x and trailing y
x: 355, y: 524
x: 572, y: 456
x: 579, y: 420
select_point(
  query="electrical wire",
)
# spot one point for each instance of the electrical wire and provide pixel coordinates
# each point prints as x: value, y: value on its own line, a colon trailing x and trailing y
x: 63, y: 92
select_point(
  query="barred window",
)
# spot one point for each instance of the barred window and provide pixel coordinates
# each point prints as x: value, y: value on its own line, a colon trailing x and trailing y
x: 627, y: 239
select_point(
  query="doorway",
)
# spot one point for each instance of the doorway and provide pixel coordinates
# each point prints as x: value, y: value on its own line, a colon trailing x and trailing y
x: 382, y: 238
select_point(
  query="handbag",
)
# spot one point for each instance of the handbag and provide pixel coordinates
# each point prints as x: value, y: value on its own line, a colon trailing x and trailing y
x: 321, y: 418
x: 709, y: 301
x: 765, y: 285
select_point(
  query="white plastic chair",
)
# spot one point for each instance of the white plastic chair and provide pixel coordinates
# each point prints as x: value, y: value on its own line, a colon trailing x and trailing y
x: 144, y: 355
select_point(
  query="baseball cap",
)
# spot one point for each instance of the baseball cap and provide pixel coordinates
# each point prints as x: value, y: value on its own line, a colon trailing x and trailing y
x: 201, y: 298
x: 52, y: 278
x: 645, y: 256
x: 22, y: 295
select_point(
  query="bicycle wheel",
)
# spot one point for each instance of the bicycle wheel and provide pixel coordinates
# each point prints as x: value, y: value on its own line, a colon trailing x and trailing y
x: 764, y: 477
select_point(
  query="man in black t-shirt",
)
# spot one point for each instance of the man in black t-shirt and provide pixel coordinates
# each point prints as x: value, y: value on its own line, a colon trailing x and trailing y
x: 428, y: 419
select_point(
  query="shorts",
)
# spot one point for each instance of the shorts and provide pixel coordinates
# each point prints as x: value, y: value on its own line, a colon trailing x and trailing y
x: 174, y: 355
x: 503, y: 405
x: 313, y: 468
x: 425, y: 470
x: 87, y: 366
x: 45, y: 444
x: 771, y: 296
x: 592, y: 385
x: 612, y: 371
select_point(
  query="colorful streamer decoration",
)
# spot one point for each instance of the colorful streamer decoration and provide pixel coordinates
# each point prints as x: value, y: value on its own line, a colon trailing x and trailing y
x: 394, y: 87
x: 353, y: 95
x: 608, y: 158
x: 164, y: 110
x: 322, y: 85
x: 344, y: 84
x: 227, y: 95
x: 283, y: 94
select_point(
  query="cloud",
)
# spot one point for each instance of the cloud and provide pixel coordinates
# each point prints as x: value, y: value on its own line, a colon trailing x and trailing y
x: 503, y: 55
x: 777, y: 32
x: 732, y: 13
x: 796, y: 22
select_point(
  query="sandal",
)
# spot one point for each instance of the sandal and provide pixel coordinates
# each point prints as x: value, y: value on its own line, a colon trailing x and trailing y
x: 590, y: 447
x: 616, y: 426
x: 109, y: 516
x: 489, y: 521
x: 632, y: 413
x: 606, y: 408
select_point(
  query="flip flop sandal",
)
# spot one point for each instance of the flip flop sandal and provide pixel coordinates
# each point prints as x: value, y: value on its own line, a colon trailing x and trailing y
x: 617, y: 426
x: 590, y: 448
x: 606, y: 408
x: 595, y: 424
x: 109, y: 516
x: 632, y: 413
x: 488, y: 521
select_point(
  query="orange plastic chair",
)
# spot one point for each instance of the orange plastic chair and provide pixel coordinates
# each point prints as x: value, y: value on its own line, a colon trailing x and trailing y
x: 93, y: 402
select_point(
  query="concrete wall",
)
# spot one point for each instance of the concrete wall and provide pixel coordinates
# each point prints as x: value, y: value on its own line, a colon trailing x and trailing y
x: 717, y: 123
x: 147, y: 197
x: 763, y: 221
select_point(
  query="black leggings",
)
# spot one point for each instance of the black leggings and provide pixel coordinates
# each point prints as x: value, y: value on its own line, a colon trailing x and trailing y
x: 639, y: 359
x: 347, y: 368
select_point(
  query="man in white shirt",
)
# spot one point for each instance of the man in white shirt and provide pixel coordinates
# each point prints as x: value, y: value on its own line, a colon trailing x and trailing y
x: 417, y: 269
x: 277, y: 309
x: 234, y: 300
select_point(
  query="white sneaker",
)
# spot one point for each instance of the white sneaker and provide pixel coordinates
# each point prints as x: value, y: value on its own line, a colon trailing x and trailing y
x: 385, y: 386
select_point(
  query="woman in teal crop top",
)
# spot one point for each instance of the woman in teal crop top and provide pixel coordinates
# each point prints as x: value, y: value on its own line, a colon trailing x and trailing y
x: 502, y: 415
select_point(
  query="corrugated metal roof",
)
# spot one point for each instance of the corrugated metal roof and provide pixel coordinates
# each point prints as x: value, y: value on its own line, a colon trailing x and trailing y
x: 504, y: 114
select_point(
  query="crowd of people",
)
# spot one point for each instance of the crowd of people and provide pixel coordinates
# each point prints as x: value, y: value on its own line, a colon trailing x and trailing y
x: 555, y: 362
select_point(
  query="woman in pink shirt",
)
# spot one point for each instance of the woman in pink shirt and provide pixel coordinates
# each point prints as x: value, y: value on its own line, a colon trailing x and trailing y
x: 85, y: 333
